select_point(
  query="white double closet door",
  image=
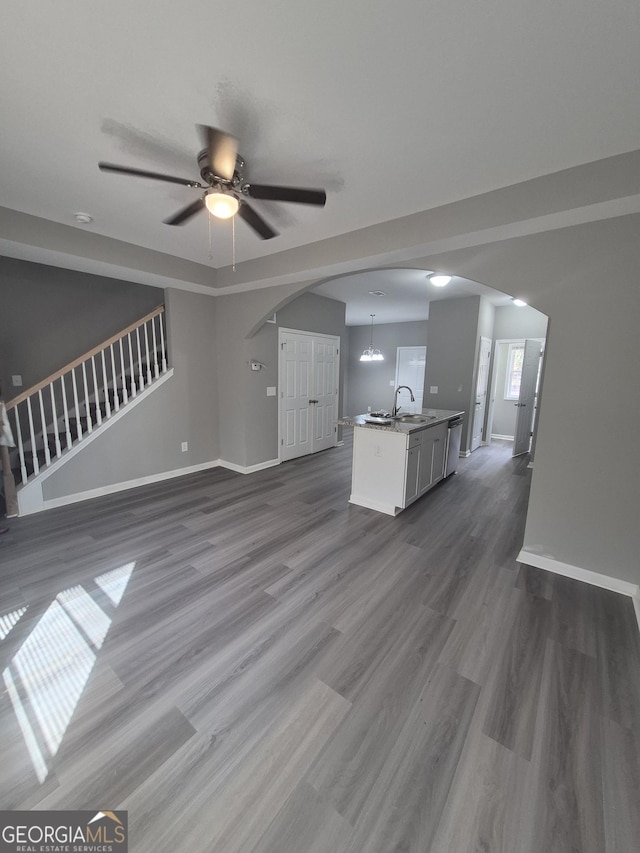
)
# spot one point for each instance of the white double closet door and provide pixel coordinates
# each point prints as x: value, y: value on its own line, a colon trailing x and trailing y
x: 308, y: 392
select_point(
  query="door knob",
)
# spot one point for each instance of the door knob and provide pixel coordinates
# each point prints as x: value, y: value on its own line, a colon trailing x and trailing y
x: 313, y: 401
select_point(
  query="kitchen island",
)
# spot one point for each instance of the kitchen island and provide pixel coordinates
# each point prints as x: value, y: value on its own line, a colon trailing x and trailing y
x: 397, y: 460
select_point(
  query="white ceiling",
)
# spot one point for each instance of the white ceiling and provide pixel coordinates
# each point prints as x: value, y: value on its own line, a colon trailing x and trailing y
x: 400, y: 295
x: 394, y: 108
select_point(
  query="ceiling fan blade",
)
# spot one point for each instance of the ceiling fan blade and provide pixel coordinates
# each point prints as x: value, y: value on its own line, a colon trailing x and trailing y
x: 141, y: 173
x: 187, y: 212
x: 223, y: 150
x: 299, y: 195
x: 256, y: 222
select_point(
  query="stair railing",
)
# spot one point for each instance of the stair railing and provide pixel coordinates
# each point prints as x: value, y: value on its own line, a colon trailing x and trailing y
x: 55, y: 414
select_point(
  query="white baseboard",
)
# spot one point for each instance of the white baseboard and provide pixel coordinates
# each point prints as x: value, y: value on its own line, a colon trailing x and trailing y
x: 121, y: 487
x: 248, y: 469
x: 464, y: 454
x: 387, y: 509
x: 539, y: 561
x: 502, y: 437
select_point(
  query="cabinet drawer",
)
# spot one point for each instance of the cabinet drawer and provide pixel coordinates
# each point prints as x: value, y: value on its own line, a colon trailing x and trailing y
x: 414, y: 439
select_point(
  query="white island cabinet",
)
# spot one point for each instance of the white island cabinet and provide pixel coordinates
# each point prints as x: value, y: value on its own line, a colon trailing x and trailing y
x: 394, y: 466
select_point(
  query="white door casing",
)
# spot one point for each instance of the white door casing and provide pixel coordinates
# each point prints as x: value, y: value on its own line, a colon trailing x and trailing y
x: 527, y: 397
x: 308, y: 392
x: 482, y: 386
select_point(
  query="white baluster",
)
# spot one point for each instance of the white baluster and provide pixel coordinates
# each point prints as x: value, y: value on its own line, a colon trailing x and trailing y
x: 96, y: 392
x: 140, y: 373
x: 32, y: 435
x: 114, y: 380
x: 146, y: 346
x: 43, y: 427
x: 54, y: 415
x: 76, y: 404
x: 87, y: 409
x: 156, y: 370
x: 164, y: 351
x: 23, y: 466
x: 123, y: 376
x: 132, y: 368
x: 65, y: 409
x: 105, y: 387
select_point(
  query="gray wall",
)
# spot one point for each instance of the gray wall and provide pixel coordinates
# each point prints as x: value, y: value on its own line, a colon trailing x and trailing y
x: 451, y: 357
x: 372, y: 383
x: 147, y: 440
x: 308, y: 313
x: 49, y: 316
x: 249, y: 419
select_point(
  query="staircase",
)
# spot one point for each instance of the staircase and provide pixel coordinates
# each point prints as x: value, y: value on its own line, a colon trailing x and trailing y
x: 51, y: 419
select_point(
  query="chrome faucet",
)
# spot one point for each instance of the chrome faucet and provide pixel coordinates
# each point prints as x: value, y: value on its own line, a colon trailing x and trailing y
x: 396, y: 407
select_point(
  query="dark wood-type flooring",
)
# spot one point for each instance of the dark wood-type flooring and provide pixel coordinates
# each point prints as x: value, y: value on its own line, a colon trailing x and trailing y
x: 248, y: 664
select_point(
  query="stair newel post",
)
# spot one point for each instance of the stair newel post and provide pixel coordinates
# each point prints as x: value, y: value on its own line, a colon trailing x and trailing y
x: 32, y: 436
x: 123, y: 375
x: 9, y: 484
x: 23, y: 466
x: 87, y: 409
x: 105, y: 387
x: 156, y: 370
x: 146, y: 347
x: 140, y: 373
x: 132, y: 368
x: 114, y: 380
x: 65, y: 411
x: 54, y: 416
x: 76, y: 404
x: 96, y: 391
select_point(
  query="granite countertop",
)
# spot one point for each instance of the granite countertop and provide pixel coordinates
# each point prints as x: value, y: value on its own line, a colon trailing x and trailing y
x: 432, y: 418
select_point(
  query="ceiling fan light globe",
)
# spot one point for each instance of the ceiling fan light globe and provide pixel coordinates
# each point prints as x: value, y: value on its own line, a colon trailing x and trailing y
x: 221, y: 205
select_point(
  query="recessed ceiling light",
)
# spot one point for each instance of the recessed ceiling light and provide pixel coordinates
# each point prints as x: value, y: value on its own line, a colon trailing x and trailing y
x: 83, y: 218
x: 377, y: 293
x: 519, y: 303
x: 439, y: 280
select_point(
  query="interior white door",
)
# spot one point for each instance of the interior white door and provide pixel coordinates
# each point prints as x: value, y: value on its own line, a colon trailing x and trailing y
x: 527, y: 397
x: 325, y: 393
x: 308, y: 376
x: 410, y: 366
x: 482, y: 386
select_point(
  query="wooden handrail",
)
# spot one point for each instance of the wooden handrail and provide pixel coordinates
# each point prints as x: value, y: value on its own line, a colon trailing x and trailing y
x: 11, y: 404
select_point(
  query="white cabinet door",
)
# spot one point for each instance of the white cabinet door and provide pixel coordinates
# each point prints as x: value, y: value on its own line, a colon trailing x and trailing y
x: 439, y: 450
x: 411, y: 489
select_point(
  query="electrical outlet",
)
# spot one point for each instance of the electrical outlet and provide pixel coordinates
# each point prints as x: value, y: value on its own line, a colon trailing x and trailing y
x: 392, y: 382
x: 368, y: 408
x: 185, y: 446
x: 16, y: 381
x: 433, y: 389
x: 377, y: 450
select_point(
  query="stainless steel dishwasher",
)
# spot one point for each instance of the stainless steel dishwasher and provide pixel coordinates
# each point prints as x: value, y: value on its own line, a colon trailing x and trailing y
x: 454, y: 437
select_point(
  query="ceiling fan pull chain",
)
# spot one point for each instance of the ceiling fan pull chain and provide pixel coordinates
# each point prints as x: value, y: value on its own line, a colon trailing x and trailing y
x: 233, y: 243
x: 210, y: 248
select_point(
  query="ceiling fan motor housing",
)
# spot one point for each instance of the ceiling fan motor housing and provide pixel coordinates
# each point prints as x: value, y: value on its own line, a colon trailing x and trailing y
x: 209, y: 177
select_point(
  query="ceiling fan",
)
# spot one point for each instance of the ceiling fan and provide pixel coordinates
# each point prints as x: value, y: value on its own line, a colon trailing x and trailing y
x: 222, y: 171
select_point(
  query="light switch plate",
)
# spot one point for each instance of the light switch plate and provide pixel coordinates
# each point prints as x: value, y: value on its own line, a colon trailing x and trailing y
x: 16, y: 380
x: 433, y: 389
x: 271, y: 390
x: 185, y: 446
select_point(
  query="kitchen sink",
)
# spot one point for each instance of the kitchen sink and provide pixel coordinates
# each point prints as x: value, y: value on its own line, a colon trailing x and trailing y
x: 411, y: 419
